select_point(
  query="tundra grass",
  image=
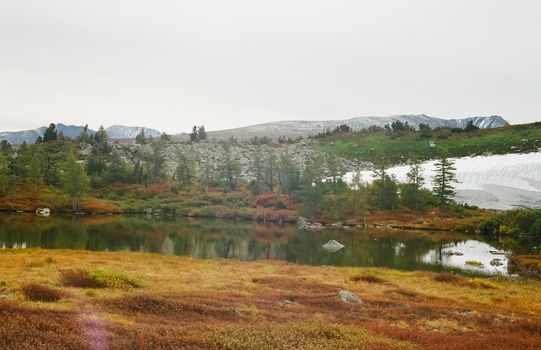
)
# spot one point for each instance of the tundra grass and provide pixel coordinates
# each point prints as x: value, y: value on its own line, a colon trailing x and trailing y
x: 225, y: 304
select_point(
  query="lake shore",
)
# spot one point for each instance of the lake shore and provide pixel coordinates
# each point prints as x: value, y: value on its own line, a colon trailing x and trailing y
x: 228, y: 304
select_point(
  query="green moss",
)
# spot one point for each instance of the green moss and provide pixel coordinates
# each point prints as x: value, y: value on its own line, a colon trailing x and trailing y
x: 115, y: 279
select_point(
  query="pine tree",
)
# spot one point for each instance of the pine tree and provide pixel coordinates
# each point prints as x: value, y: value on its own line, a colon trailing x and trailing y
x: 6, y: 178
x: 141, y: 139
x: 35, y: 170
x: 185, y: 171
x: 22, y: 162
x: 444, y: 180
x: 384, y: 188
x: 100, y: 143
x: 358, y: 197
x: 289, y: 175
x: 207, y: 176
x: 201, y: 133
x: 270, y: 169
x: 193, y: 134
x: 257, y: 168
x: 411, y: 193
x: 157, y: 162
x: 138, y: 173
x: 74, y: 181
x: 230, y: 172
x: 50, y: 133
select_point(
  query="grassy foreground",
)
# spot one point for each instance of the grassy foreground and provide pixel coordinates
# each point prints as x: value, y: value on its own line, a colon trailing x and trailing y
x: 147, y: 301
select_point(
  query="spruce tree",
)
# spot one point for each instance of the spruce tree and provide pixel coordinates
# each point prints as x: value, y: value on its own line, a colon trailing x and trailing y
x: 411, y: 193
x: 141, y: 139
x: 50, y: 133
x: 444, y: 180
x: 185, y: 171
x: 35, y: 170
x: 201, y: 133
x: 257, y: 168
x: 74, y: 181
x: 6, y: 178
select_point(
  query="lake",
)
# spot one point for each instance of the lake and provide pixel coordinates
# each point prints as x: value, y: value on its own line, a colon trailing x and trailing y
x: 208, y: 239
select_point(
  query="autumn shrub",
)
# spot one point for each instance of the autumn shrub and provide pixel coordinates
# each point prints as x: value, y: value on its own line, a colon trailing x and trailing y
x: 79, y: 278
x: 367, y: 278
x: 39, y: 292
x: 266, y: 200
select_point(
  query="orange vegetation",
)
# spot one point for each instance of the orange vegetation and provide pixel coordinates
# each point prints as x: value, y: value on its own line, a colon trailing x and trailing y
x: 182, y: 303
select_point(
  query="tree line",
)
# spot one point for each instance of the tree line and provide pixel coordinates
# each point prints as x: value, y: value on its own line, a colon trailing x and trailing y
x: 54, y: 160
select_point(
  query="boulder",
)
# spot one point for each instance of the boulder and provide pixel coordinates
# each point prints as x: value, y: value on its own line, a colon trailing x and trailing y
x: 348, y: 297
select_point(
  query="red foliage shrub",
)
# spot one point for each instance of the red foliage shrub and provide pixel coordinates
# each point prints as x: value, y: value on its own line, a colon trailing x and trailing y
x: 266, y: 200
x: 39, y: 292
x: 367, y: 278
x: 78, y: 278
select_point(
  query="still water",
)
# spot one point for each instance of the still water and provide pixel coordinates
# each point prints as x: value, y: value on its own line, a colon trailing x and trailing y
x: 207, y: 239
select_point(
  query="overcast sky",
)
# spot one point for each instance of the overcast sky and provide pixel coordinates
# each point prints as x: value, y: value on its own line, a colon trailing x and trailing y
x: 172, y: 64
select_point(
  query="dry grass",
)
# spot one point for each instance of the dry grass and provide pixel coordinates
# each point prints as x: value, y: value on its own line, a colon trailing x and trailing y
x: 222, y: 304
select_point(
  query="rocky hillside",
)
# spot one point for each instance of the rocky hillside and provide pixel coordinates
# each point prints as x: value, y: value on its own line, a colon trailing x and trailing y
x: 301, y: 153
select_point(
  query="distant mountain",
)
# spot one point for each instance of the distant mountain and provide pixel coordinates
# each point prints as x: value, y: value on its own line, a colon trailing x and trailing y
x: 72, y: 131
x: 303, y: 128
x: 30, y: 136
x: 291, y: 128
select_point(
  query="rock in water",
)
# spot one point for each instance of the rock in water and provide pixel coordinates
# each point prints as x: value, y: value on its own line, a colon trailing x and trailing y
x: 332, y: 246
x: 348, y: 297
x: 496, y: 262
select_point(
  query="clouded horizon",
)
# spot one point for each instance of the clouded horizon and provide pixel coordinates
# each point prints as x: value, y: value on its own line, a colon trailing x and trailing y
x: 173, y: 64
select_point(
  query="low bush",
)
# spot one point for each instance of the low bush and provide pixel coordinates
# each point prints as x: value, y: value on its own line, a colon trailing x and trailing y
x: 115, y: 279
x: 39, y: 292
x: 367, y: 278
x: 98, y: 279
x: 79, y: 278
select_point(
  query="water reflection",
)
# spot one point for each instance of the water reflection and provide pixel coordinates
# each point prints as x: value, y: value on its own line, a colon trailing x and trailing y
x: 208, y: 239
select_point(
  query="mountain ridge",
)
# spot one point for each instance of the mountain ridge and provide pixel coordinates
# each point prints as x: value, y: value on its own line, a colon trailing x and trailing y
x: 303, y: 128
x: 286, y: 128
x: 72, y: 131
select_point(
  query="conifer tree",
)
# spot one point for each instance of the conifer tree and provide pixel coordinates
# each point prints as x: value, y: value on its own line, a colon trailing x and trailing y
x: 444, y: 180
x: 5, y: 174
x: 185, y: 171
x: 74, y: 181
x: 35, y: 170
x: 411, y: 191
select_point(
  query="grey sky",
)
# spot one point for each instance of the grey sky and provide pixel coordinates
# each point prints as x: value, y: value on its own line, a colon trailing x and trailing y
x: 173, y: 64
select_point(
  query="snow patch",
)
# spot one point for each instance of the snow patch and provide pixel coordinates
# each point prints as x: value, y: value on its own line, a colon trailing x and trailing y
x: 493, y: 182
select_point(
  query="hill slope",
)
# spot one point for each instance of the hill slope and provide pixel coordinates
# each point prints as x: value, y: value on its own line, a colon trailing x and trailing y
x: 303, y: 128
x: 397, y: 148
